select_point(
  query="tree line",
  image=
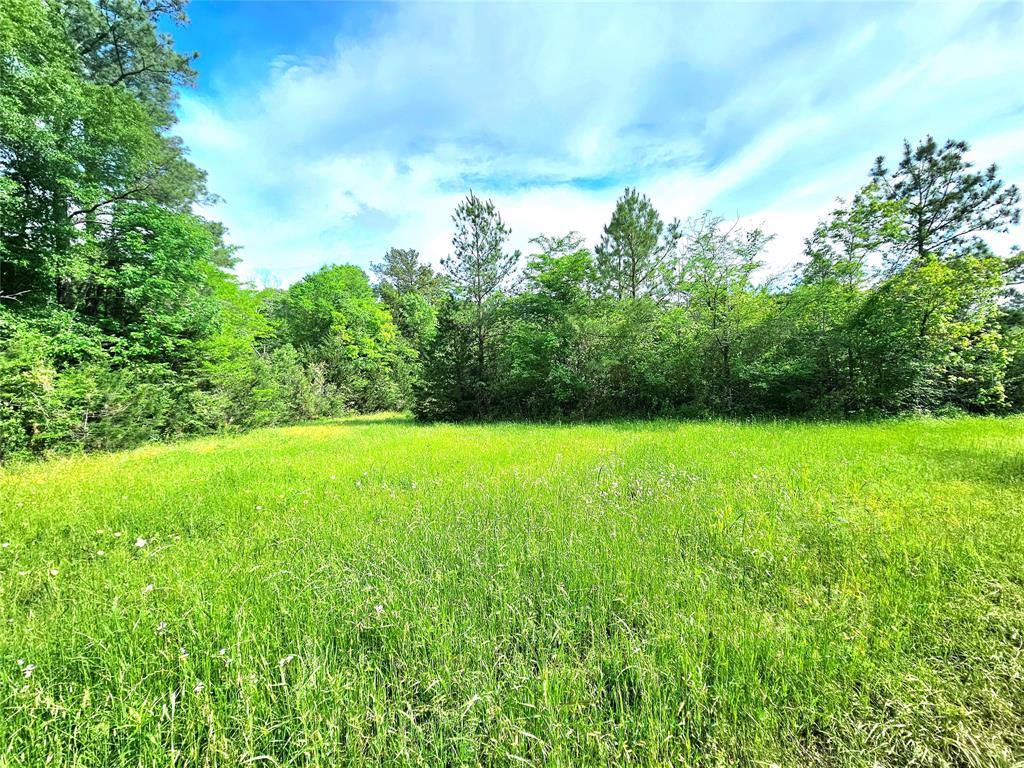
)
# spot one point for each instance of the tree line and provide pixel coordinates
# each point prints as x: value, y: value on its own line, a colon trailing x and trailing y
x: 899, y: 305
x: 121, y: 320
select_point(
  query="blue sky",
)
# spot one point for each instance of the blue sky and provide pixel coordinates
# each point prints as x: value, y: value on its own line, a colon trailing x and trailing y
x: 333, y: 131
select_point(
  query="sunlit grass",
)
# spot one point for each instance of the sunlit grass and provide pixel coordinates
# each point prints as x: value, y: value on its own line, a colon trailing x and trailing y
x: 372, y: 591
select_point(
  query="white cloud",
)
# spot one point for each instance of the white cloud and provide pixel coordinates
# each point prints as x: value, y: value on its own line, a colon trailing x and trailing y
x: 765, y: 113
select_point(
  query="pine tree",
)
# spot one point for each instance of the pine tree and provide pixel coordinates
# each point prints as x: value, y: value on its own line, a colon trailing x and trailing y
x: 946, y: 205
x: 636, y: 256
x: 479, y: 269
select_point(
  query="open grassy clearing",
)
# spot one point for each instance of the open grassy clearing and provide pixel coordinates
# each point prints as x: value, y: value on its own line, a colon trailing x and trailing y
x: 372, y: 591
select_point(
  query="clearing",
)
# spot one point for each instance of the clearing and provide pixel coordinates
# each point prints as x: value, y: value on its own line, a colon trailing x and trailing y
x: 374, y: 591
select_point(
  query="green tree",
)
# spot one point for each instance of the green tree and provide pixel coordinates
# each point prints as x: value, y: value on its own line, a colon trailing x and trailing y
x: 402, y: 272
x: 717, y: 290
x: 543, y: 361
x: 334, y: 318
x: 447, y: 389
x: 636, y: 257
x: 411, y: 290
x: 946, y: 206
x: 928, y: 337
x: 479, y: 270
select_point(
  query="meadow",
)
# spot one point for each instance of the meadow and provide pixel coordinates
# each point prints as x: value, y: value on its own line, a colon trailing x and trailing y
x: 371, y: 591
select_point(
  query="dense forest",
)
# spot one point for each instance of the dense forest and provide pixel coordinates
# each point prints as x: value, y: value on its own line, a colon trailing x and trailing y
x: 121, y: 320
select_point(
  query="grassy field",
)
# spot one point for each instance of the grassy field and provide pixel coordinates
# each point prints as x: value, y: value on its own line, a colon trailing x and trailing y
x: 372, y: 591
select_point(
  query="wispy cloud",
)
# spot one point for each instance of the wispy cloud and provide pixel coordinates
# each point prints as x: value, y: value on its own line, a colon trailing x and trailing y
x: 759, y: 111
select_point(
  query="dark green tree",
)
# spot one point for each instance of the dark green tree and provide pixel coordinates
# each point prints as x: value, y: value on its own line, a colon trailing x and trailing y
x: 542, y: 369
x: 480, y: 269
x: 636, y: 257
x: 945, y: 205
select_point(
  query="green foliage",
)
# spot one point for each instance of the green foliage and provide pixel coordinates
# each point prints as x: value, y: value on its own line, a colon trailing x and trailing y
x: 447, y: 387
x: 944, y: 205
x: 635, y: 257
x: 403, y: 273
x: 927, y: 337
x: 667, y: 319
x: 479, y: 271
x: 411, y: 290
x: 120, y: 321
x: 335, y: 320
x: 540, y: 367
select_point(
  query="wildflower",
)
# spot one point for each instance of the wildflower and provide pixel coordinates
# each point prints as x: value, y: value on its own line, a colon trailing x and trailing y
x: 199, y: 687
x: 222, y: 651
x: 147, y: 589
x: 28, y: 669
x: 140, y: 542
x: 379, y: 609
x: 6, y: 544
x: 100, y: 552
x: 286, y: 660
x: 21, y: 662
x: 183, y: 653
x: 161, y: 627
x: 117, y: 534
x: 54, y: 572
x: 258, y: 507
x: 99, y: 531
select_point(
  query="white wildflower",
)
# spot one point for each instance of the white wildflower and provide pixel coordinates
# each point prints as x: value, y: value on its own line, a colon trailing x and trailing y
x: 28, y: 669
x: 286, y: 660
x: 140, y: 542
x: 183, y: 653
x: 100, y: 552
x: 54, y: 572
x: 161, y: 627
x: 6, y: 544
x: 147, y: 589
x: 21, y: 662
x: 199, y: 687
x: 379, y: 609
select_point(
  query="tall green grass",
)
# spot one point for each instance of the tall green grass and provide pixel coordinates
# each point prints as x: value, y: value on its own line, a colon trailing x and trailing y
x: 372, y: 591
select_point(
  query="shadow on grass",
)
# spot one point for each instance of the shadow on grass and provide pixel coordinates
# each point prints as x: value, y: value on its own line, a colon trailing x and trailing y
x: 369, y: 420
x: 619, y: 423
x: 978, y: 465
